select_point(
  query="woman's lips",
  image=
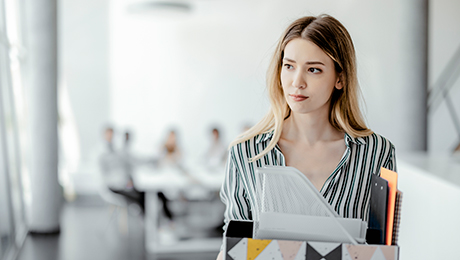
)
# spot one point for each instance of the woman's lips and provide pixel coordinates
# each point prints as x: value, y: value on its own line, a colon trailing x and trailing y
x: 298, y: 97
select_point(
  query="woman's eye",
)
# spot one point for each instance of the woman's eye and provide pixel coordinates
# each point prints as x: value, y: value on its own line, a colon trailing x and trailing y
x: 288, y: 66
x: 314, y: 70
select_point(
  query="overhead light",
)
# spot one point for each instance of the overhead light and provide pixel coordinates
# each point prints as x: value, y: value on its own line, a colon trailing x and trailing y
x: 160, y: 8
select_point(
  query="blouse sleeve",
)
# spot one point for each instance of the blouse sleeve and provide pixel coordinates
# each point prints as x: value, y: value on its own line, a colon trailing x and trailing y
x: 233, y: 193
x: 390, y: 162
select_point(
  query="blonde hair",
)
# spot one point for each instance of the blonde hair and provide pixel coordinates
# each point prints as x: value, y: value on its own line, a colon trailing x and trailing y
x: 345, y: 115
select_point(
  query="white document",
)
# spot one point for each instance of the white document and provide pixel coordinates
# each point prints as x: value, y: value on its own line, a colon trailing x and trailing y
x: 289, y: 207
x: 309, y: 228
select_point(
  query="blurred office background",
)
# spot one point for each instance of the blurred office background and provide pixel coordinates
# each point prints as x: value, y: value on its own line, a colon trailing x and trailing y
x: 72, y: 70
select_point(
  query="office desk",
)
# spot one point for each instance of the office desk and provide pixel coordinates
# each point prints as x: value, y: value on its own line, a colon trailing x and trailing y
x: 154, y: 180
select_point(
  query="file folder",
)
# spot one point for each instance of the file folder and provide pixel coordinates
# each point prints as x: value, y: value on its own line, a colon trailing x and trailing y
x: 392, y: 178
x: 378, y: 211
x: 397, y: 217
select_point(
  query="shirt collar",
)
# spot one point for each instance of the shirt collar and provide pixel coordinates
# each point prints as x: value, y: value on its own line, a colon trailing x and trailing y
x: 348, y: 138
x: 265, y: 137
x: 357, y: 140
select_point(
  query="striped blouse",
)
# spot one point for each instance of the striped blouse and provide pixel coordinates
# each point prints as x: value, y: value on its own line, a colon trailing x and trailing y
x: 347, y: 189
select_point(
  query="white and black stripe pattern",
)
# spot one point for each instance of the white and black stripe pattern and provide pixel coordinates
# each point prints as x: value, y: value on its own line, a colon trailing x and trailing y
x: 347, y: 189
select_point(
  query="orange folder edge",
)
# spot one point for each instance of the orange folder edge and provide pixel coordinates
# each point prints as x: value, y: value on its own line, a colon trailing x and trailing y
x: 392, y: 178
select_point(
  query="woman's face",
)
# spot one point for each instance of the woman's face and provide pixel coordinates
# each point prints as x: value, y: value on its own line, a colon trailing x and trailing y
x: 308, y: 77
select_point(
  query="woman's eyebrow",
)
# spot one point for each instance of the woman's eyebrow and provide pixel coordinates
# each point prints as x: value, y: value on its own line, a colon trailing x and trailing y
x: 287, y: 59
x: 308, y: 62
x: 314, y: 62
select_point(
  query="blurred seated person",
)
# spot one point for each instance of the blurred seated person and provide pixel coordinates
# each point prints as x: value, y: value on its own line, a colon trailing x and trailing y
x: 169, y: 159
x: 456, y: 153
x: 216, y: 155
x: 117, y: 168
x: 127, y: 157
x: 170, y: 154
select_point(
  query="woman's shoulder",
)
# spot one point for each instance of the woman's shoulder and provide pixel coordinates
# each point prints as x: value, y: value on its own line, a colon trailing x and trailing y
x: 251, y: 145
x: 376, y: 142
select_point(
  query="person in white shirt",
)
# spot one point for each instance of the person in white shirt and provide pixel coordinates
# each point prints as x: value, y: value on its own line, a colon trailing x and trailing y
x: 216, y: 154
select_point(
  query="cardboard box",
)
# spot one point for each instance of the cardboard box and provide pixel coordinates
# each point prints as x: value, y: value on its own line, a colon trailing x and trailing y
x: 241, y: 246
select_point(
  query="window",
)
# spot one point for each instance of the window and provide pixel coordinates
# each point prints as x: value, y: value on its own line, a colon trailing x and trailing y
x: 12, y: 128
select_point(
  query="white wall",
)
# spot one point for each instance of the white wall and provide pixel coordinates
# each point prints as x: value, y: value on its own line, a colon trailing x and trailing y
x: 444, y: 41
x: 84, y: 69
x: 147, y: 73
x: 209, y: 66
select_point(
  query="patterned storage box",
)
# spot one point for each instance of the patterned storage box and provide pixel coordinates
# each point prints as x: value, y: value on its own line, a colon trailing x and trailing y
x: 254, y: 249
x: 239, y: 246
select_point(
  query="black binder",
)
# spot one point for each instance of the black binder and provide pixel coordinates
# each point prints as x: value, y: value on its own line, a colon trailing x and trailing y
x: 242, y: 228
x: 378, y: 211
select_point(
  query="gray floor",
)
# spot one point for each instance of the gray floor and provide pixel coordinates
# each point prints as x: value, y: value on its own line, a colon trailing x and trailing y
x: 89, y: 230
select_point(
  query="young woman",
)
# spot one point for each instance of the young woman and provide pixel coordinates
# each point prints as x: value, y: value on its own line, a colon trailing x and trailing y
x: 314, y: 124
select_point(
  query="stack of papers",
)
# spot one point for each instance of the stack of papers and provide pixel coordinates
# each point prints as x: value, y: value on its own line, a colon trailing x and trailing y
x: 309, y: 228
x: 289, y: 207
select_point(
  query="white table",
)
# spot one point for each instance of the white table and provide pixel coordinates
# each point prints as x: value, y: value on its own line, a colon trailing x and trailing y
x: 430, y: 209
x: 153, y: 180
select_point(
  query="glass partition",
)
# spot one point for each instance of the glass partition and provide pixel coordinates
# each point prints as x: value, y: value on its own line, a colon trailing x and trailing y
x: 6, y: 225
x: 6, y: 231
x: 15, y: 110
x: 6, y: 222
x: 12, y: 130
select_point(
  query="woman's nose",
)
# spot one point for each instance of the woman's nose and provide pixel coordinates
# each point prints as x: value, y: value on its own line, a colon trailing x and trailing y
x: 299, y: 81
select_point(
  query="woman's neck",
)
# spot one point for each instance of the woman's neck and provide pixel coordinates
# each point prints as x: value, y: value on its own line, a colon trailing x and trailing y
x: 309, y: 129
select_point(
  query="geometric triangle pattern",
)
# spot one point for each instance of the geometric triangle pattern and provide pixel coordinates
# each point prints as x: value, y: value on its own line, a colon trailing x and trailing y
x: 272, y: 252
x: 240, y: 250
x: 389, y: 252
x: 312, y: 253
x: 378, y: 255
x: 289, y: 249
x: 302, y: 253
x: 231, y: 242
x: 256, y: 246
x: 255, y: 249
x: 334, y: 254
x: 323, y: 248
x: 345, y: 254
x: 358, y: 252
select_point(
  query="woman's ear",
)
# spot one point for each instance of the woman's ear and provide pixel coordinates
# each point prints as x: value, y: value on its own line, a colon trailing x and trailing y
x: 338, y: 83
